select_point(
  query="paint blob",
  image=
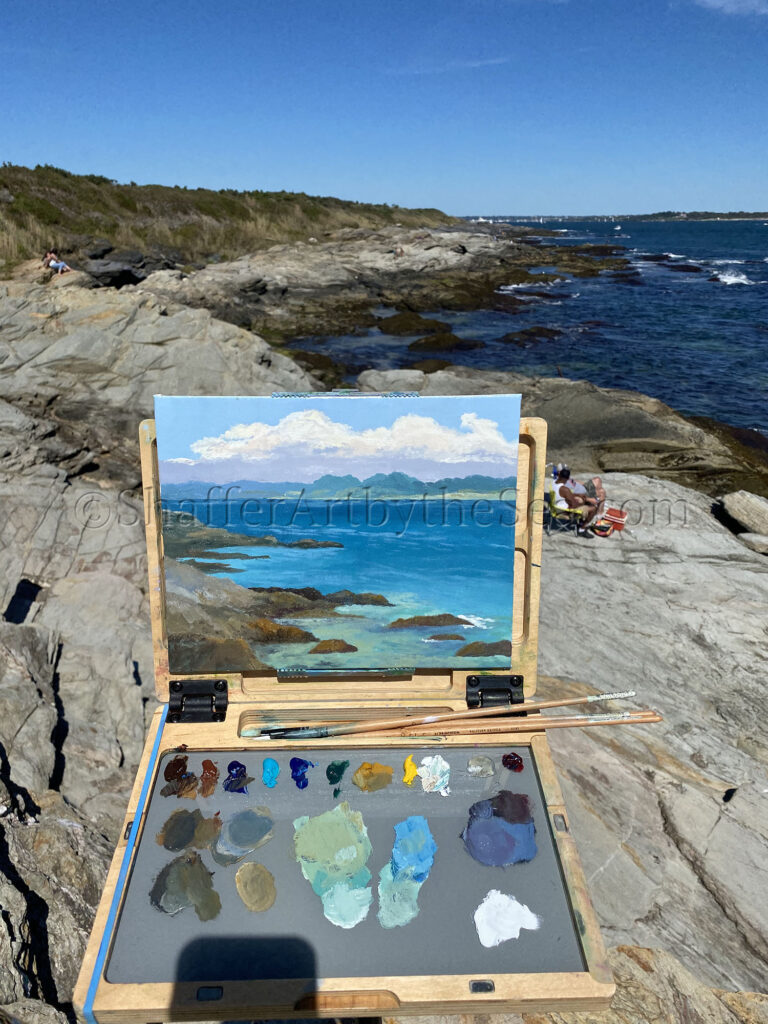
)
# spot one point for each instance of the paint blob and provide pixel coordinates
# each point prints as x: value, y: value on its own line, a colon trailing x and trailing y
x: 335, y: 773
x: 410, y: 770
x: 332, y: 850
x: 401, y: 879
x: 186, y: 882
x: 256, y: 887
x: 500, y: 918
x: 209, y: 776
x: 270, y: 770
x: 179, y: 781
x: 185, y: 829
x: 500, y: 831
x: 299, y: 770
x: 434, y: 773
x: 372, y: 776
x: 481, y: 767
x: 237, y: 778
x: 244, y: 832
x: 513, y: 762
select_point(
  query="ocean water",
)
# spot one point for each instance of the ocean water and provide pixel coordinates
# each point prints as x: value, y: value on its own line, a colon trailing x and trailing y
x: 697, y: 339
x: 426, y: 558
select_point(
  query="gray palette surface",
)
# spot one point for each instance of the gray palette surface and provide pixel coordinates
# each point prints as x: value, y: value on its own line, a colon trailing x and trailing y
x: 293, y: 939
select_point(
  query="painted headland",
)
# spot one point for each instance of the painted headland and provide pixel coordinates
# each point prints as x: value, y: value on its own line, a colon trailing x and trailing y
x: 334, y: 532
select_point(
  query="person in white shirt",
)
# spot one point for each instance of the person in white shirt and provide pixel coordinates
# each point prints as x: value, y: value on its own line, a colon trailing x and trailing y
x: 565, y: 497
x: 593, y: 488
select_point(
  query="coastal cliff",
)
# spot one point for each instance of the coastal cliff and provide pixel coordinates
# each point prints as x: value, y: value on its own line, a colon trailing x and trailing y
x: 673, y: 607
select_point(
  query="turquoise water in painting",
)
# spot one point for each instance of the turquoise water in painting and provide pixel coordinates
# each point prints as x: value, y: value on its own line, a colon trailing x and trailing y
x: 426, y: 557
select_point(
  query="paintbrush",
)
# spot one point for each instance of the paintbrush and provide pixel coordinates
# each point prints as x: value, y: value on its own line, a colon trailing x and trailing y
x: 385, y: 724
x: 535, y: 724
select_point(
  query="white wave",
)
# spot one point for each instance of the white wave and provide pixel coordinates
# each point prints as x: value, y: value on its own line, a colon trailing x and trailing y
x: 724, y: 263
x: 734, y: 277
x: 676, y: 256
x: 476, y: 621
x: 537, y: 285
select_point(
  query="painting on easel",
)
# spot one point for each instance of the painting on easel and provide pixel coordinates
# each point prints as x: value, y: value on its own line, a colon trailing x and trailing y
x: 334, y: 533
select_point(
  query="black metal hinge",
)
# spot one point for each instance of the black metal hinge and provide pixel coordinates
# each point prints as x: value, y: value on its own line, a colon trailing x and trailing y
x: 198, y: 700
x: 486, y: 691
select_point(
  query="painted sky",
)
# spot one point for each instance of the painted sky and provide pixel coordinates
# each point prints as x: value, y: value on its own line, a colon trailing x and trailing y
x: 267, y: 440
x: 473, y: 106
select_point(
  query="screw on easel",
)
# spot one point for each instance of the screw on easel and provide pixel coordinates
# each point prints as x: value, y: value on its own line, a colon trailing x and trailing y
x: 176, y: 685
x: 220, y: 684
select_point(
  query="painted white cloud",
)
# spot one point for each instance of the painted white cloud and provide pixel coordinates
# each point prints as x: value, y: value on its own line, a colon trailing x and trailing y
x: 735, y: 6
x: 312, y: 432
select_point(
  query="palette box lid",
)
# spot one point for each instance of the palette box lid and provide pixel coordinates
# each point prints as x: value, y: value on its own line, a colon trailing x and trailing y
x: 429, y: 688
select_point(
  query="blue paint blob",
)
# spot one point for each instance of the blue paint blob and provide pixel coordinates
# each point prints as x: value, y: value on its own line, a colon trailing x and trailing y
x: 269, y: 772
x: 237, y: 780
x: 501, y: 831
x: 401, y: 879
x: 299, y: 769
x: 414, y: 850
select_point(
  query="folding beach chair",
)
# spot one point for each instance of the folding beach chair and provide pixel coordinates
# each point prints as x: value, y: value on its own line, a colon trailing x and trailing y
x: 561, y: 518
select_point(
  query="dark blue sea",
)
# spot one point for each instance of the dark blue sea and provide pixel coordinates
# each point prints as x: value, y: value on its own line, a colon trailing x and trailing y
x: 690, y: 328
x: 427, y: 557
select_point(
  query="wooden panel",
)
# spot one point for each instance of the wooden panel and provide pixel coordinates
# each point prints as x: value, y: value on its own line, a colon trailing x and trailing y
x: 362, y: 996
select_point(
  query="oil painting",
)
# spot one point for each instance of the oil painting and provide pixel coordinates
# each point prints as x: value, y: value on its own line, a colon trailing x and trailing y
x: 327, y: 533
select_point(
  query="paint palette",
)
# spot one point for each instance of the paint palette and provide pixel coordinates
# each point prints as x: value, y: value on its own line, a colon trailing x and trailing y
x: 360, y: 937
x: 271, y: 879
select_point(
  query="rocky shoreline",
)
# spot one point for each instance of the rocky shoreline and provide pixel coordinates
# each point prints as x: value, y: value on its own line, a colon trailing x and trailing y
x: 672, y: 824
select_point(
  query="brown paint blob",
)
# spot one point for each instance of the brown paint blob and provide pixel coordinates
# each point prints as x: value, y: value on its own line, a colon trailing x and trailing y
x: 188, y: 829
x: 256, y: 887
x: 208, y: 778
x: 176, y: 768
x: 180, y: 781
x: 372, y: 776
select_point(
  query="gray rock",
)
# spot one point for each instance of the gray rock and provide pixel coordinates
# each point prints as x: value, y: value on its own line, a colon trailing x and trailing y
x: 673, y: 607
x: 749, y: 510
x: 597, y: 429
x: 755, y: 541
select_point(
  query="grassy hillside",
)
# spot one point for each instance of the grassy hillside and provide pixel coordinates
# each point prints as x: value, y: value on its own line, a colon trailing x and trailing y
x: 50, y: 206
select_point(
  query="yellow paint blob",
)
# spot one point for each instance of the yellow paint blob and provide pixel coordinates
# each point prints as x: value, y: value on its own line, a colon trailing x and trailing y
x: 411, y: 771
x: 372, y: 776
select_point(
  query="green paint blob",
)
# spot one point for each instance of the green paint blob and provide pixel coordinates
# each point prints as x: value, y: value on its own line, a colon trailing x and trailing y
x: 335, y: 773
x: 332, y: 850
x: 186, y: 882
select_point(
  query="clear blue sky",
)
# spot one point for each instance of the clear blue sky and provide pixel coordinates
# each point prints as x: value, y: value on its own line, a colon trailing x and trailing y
x: 473, y: 106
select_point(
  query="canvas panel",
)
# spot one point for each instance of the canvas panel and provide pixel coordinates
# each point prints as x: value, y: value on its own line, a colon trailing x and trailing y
x: 338, y: 534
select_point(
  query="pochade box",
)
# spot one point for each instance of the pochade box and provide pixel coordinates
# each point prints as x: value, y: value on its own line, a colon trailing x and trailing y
x: 419, y: 870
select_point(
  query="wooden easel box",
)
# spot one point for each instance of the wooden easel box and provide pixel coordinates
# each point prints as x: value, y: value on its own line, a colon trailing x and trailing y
x: 254, y: 695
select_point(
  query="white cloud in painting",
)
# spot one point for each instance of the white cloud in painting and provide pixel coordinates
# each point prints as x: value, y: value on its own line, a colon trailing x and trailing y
x: 313, y: 433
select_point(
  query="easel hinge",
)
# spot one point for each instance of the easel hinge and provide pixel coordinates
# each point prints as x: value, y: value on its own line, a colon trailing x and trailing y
x: 485, y: 691
x: 198, y: 700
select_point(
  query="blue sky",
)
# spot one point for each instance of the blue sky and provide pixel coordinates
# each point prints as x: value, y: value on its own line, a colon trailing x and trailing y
x: 224, y: 439
x: 473, y: 106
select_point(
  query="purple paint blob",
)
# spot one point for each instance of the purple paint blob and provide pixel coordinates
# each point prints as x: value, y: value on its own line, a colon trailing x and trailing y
x: 500, y: 831
x: 513, y: 762
x: 237, y: 780
x: 299, y: 769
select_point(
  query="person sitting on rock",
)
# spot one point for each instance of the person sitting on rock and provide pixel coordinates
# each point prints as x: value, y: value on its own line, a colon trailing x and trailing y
x: 52, y: 260
x: 593, y: 488
x: 566, y: 498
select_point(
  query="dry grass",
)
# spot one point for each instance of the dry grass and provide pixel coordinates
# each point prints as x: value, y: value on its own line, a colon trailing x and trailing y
x: 47, y: 206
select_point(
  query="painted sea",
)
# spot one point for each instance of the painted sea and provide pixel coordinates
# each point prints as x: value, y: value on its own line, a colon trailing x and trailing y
x: 688, y: 322
x: 347, y: 533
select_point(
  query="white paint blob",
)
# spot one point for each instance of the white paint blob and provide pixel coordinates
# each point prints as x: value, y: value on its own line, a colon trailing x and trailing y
x: 434, y: 774
x: 500, y: 918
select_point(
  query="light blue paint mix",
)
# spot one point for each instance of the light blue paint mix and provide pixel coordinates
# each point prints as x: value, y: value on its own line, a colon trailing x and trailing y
x: 401, y: 879
x: 269, y: 772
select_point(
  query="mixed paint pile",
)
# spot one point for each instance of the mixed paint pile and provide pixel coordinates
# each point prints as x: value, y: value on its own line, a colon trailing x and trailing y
x: 333, y: 849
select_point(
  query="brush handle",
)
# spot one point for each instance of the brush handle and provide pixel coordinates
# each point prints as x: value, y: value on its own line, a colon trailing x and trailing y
x: 385, y: 724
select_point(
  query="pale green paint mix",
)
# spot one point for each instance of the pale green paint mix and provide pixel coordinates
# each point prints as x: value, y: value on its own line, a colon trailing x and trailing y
x: 332, y: 850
